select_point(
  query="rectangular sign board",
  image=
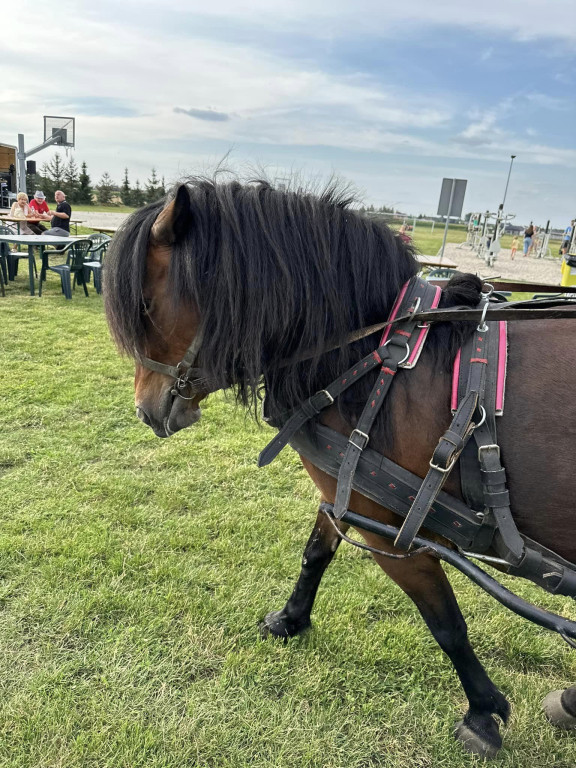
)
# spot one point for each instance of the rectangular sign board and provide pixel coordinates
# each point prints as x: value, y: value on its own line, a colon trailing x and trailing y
x: 452, y: 189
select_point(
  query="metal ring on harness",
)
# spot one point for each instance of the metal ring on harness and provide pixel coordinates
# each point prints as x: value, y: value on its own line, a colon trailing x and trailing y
x: 482, y: 327
x: 406, y: 356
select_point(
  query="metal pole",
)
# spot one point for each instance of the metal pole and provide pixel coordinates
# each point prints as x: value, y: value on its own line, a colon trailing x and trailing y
x: 508, y: 180
x: 452, y: 188
x: 21, y: 155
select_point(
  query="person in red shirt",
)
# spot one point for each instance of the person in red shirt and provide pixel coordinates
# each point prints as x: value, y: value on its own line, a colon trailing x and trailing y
x: 38, y: 205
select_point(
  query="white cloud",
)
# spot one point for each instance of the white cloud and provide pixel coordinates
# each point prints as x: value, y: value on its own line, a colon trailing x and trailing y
x: 274, y: 102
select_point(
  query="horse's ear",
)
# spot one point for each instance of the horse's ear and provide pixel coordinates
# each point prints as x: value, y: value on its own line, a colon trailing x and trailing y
x: 173, y: 220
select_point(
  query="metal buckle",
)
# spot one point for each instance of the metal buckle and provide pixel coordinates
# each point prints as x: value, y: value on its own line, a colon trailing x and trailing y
x: 448, y: 468
x: 486, y: 447
x: 322, y: 392
x: 364, y: 437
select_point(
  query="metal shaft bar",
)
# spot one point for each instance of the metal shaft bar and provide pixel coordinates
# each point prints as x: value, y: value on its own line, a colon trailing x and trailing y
x: 546, y: 619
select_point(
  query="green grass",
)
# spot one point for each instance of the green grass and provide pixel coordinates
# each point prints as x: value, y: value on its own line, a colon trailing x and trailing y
x: 133, y: 573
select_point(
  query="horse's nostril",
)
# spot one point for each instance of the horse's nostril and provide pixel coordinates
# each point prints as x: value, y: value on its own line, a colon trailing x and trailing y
x: 142, y: 415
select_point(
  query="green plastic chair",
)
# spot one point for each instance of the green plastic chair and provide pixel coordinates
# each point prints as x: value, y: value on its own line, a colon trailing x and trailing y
x: 99, y: 237
x: 93, y: 264
x: 75, y: 256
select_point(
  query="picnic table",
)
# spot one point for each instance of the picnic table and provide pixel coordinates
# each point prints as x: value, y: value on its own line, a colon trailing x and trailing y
x: 105, y: 230
x: 34, y: 220
x: 435, y: 261
x: 40, y: 241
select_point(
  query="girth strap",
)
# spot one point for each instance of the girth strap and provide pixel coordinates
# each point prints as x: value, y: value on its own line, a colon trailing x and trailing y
x: 507, y: 541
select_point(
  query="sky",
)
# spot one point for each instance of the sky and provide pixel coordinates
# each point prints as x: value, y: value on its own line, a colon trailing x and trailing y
x: 391, y: 97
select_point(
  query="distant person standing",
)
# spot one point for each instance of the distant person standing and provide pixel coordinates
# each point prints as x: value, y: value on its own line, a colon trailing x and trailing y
x: 514, y: 247
x: 38, y: 207
x: 528, y: 235
x: 535, y: 242
x: 60, y: 224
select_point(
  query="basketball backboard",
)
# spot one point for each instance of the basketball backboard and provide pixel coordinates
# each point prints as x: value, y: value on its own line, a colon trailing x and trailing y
x: 62, y: 128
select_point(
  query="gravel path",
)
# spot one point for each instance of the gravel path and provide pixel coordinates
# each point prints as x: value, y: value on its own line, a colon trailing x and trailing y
x: 95, y: 219
x: 521, y: 268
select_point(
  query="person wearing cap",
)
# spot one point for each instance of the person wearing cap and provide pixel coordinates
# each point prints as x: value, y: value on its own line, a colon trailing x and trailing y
x: 60, y: 224
x: 39, y: 206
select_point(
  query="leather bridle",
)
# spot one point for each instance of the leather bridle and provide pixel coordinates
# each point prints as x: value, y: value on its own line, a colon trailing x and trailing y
x: 185, y: 373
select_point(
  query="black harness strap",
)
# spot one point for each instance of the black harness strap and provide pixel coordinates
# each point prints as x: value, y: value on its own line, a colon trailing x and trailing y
x: 320, y: 400
x: 395, y: 352
x: 445, y: 456
x: 507, y: 541
x: 470, y: 478
x: 359, y: 437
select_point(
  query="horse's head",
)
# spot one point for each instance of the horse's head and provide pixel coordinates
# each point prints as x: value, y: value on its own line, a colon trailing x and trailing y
x: 168, y: 383
x: 264, y: 275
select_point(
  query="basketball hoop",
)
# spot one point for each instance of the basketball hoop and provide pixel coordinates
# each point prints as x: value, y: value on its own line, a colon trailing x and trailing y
x: 60, y: 129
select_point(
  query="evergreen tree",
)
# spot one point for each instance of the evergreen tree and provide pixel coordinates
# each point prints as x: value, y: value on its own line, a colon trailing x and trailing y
x: 162, y: 188
x: 45, y: 183
x: 71, y: 181
x: 84, y: 186
x: 105, y: 189
x: 138, y: 196
x: 56, y: 172
x: 153, y: 188
x: 125, y: 190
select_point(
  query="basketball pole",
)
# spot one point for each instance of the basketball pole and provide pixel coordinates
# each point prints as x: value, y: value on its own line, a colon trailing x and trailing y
x: 22, y: 156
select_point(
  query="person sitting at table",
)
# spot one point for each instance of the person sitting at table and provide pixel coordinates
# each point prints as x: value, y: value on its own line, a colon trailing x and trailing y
x: 38, y: 207
x: 60, y: 224
x: 21, y: 210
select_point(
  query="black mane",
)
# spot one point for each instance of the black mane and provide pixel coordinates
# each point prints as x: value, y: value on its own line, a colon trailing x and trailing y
x: 274, y: 273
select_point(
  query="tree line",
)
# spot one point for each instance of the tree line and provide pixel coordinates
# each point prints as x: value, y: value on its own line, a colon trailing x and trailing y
x: 76, y: 183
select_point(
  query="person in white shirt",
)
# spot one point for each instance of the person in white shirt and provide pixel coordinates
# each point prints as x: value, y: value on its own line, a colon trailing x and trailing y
x: 21, y: 210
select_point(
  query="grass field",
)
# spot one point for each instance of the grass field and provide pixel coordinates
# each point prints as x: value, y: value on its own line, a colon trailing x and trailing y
x: 133, y: 573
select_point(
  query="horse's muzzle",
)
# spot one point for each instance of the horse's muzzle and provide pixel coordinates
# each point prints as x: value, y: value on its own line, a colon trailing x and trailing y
x: 165, y: 421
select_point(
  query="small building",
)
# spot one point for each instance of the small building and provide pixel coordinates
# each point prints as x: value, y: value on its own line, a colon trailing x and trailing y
x: 7, y: 174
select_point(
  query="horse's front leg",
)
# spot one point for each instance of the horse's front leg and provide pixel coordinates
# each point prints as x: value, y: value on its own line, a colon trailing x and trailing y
x: 560, y: 707
x: 294, y: 618
x: 424, y: 580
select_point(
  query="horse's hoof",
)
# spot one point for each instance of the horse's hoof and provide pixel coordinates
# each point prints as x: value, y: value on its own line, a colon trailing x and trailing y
x: 277, y: 624
x: 555, y: 711
x: 477, y: 743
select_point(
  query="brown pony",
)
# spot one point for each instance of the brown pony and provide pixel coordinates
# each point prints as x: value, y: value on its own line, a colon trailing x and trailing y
x: 259, y: 276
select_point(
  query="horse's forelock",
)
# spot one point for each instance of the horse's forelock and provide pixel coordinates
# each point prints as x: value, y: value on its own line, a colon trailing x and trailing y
x: 124, y: 278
